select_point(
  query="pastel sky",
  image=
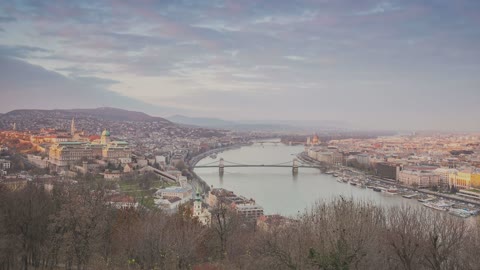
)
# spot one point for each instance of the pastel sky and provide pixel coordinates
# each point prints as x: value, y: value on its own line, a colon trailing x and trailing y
x: 374, y: 64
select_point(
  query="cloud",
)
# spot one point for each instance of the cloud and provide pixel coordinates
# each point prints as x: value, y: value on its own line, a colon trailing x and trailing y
x: 240, y: 56
x: 295, y: 58
x: 219, y: 27
x: 380, y: 8
x: 21, y: 51
x: 46, y: 89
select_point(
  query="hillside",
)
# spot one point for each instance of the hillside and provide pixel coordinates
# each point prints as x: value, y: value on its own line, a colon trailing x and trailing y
x: 91, y: 120
x: 115, y: 114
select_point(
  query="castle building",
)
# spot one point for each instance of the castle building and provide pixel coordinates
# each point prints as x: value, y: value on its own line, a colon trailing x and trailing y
x: 65, y: 153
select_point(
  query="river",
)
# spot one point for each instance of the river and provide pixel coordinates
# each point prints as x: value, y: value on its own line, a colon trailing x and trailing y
x: 277, y: 189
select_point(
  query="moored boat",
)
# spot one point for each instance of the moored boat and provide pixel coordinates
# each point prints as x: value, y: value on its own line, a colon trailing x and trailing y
x: 434, y: 206
x: 392, y: 191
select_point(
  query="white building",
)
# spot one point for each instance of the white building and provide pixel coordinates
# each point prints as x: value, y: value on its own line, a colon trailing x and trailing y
x: 181, y: 192
x: 363, y: 159
x: 250, y: 211
x: 419, y: 177
x: 4, y: 164
x: 38, y: 161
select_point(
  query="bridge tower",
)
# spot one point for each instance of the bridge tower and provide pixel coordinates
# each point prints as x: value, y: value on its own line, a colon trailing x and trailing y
x: 221, y: 166
x: 295, y: 166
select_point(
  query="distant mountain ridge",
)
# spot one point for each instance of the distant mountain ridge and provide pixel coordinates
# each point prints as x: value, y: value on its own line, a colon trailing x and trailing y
x: 200, y: 121
x: 34, y: 119
x: 106, y: 113
x: 259, y: 125
x: 232, y: 125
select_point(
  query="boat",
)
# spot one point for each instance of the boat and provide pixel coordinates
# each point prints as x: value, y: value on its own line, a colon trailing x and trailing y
x: 340, y: 180
x: 429, y: 198
x: 434, y: 206
x: 377, y: 189
x: 460, y: 213
x: 392, y: 191
x: 353, y: 183
x: 409, y: 196
x: 213, y: 156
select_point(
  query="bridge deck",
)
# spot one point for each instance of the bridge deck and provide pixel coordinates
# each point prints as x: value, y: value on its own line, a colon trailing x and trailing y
x: 258, y: 165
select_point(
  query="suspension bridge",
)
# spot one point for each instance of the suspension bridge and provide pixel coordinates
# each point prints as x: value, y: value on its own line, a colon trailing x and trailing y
x: 222, y: 164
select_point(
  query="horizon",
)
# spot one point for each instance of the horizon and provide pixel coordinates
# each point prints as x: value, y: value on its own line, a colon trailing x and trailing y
x: 374, y: 65
x: 303, y: 126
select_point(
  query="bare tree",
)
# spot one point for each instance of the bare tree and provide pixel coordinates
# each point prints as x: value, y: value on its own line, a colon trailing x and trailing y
x: 224, y: 222
x: 445, y: 236
x: 404, y: 236
x: 25, y: 224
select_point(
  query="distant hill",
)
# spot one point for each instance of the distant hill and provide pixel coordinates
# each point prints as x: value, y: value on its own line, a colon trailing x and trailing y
x: 201, y: 122
x: 116, y: 114
x: 231, y: 125
x: 260, y: 125
x: 90, y: 119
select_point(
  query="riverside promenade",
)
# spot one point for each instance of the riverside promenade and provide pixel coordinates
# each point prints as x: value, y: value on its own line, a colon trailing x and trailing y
x: 453, y: 197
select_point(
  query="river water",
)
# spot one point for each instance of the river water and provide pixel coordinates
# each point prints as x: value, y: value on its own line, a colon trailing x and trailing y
x: 277, y: 189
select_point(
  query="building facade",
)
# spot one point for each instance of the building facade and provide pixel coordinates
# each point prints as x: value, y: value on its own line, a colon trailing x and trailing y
x: 419, y: 177
x: 66, y: 153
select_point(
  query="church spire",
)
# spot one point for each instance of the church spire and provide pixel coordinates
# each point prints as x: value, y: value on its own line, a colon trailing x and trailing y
x: 72, y: 127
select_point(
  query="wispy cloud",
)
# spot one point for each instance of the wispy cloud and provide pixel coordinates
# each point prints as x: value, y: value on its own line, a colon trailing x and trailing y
x: 295, y: 58
x: 379, y: 8
x: 21, y: 51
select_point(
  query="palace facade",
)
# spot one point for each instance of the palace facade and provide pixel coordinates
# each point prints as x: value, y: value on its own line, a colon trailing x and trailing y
x: 66, y: 153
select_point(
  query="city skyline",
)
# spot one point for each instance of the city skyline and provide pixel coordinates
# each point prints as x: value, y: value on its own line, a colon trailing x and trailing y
x: 373, y: 64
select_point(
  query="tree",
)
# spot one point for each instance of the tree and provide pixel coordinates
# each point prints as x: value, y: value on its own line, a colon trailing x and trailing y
x: 81, y: 218
x: 25, y: 222
x: 445, y: 237
x: 405, y: 235
x: 224, y: 222
x: 180, y: 165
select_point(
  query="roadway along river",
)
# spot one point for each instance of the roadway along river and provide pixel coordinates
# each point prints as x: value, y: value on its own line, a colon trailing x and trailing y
x: 276, y: 189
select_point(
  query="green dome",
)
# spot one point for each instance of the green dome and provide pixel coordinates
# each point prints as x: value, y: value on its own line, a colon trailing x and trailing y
x: 106, y: 133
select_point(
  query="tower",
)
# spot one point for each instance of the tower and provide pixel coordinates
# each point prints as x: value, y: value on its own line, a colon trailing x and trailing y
x: 295, y: 166
x: 14, y: 126
x: 197, y: 205
x: 315, y: 140
x: 221, y: 166
x: 105, y: 139
x: 72, y: 127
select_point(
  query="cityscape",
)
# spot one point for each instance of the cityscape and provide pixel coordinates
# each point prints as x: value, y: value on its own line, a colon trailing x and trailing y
x: 239, y: 135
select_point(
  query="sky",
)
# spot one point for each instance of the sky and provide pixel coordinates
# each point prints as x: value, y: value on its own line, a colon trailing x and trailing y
x: 372, y: 64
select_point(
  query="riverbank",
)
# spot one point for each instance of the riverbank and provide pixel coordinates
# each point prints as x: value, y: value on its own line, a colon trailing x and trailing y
x: 302, y: 156
x: 202, y: 186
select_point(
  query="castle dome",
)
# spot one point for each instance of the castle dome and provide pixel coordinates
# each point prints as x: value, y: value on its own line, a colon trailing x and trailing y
x: 106, y: 133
